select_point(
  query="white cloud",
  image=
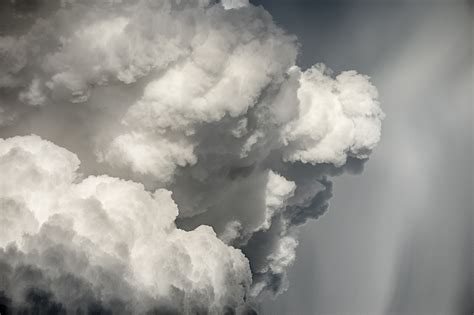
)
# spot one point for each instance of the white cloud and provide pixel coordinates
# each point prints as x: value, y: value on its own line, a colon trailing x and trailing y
x: 115, y: 222
x: 183, y: 97
x: 234, y: 4
x: 337, y: 118
x: 277, y: 193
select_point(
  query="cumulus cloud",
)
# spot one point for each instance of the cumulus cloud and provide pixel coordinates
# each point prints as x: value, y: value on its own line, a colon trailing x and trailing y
x: 338, y: 118
x: 106, y: 237
x: 190, y: 105
x: 234, y: 4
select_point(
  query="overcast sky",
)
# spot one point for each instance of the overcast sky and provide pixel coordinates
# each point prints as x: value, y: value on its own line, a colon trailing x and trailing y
x: 397, y: 238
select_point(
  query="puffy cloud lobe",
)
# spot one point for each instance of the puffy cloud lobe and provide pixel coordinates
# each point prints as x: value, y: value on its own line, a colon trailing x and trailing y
x: 202, y: 99
x: 234, y: 4
x: 278, y: 191
x: 337, y: 118
x: 112, y: 225
x: 146, y: 154
x: 36, y: 173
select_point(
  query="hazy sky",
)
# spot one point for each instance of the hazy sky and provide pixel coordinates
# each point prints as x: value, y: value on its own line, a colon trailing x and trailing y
x: 397, y: 238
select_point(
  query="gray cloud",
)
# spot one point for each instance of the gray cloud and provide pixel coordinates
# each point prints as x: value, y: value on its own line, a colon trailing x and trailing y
x: 216, y: 147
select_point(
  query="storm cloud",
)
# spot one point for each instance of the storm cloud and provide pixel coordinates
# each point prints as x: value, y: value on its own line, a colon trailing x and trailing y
x: 160, y: 156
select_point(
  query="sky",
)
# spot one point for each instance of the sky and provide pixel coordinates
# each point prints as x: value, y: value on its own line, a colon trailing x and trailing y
x: 221, y: 157
x: 397, y: 239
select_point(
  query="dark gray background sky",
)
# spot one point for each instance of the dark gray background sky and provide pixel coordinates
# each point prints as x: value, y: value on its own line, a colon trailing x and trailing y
x: 398, y: 238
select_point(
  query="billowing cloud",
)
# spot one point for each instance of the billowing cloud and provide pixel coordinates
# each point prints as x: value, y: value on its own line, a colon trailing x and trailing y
x: 108, y: 238
x: 190, y: 105
x: 338, y: 118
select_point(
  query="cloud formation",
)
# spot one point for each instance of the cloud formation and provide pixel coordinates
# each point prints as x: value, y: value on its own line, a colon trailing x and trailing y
x: 107, y: 237
x: 190, y: 105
